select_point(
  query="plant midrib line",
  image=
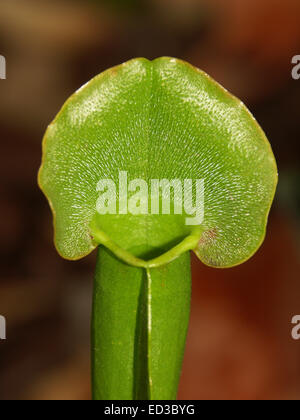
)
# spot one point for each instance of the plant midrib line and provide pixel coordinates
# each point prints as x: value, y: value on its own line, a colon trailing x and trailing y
x: 148, y: 274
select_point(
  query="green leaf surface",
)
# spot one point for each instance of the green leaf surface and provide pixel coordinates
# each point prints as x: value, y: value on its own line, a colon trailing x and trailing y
x: 139, y: 328
x: 155, y: 120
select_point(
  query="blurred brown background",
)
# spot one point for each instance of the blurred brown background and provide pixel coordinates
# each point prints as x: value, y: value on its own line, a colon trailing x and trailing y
x: 239, y: 344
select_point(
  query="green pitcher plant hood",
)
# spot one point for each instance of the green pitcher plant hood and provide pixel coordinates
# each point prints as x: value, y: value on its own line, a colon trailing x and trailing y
x: 158, y: 120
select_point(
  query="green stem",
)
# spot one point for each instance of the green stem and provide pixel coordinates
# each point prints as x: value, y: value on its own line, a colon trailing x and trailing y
x: 139, y: 325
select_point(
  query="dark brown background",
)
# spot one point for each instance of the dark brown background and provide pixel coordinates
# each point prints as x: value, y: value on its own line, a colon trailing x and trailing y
x: 239, y: 344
